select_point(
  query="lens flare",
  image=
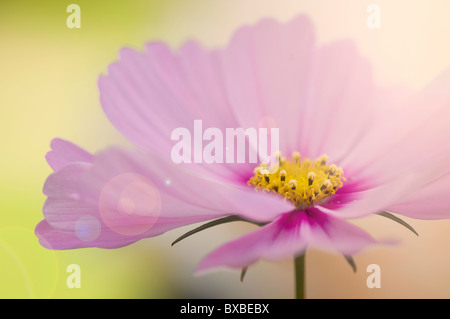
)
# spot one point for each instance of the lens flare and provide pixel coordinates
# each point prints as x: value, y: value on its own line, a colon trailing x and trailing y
x: 129, y: 204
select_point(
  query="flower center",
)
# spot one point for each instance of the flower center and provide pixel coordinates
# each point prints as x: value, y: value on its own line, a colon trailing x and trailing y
x: 302, y: 181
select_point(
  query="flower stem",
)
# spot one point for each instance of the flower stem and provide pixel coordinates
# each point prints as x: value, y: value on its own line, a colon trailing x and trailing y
x: 299, y: 265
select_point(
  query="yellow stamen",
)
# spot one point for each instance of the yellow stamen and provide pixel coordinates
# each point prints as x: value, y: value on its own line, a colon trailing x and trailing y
x: 265, y: 173
x: 278, y: 155
x: 296, y: 157
x: 304, y: 182
x: 311, y: 177
x: 283, y: 175
x: 292, y: 184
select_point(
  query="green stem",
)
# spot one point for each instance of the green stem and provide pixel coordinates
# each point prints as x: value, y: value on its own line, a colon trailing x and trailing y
x: 299, y: 265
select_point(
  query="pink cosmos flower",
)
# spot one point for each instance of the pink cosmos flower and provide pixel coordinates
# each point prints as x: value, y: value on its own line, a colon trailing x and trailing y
x: 385, y: 149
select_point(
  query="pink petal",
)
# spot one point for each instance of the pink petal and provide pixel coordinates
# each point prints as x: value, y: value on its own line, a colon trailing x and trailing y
x: 193, y: 184
x: 411, y: 159
x: 289, y: 236
x: 146, y: 96
x: 74, y: 219
x: 64, y: 152
x: 416, y: 147
x: 429, y: 202
x: 378, y: 198
x: 125, y: 196
x: 338, y: 109
x: 380, y: 134
x: 266, y: 69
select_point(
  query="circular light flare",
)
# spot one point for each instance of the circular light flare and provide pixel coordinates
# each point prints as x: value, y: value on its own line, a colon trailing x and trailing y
x: 87, y: 228
x: 129, y: 204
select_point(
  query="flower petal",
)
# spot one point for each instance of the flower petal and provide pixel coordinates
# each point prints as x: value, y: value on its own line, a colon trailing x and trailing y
x: 429, y: 202
x: 414, y: 157
x: 193, y: 184
x: 74, y: 218
x: 64, y: 152
x: 338, y: 110
x: 148, y: 95
x: 417, y: 144
x: 124, y: 196
x: 289, y: 236
x: 266, y: 68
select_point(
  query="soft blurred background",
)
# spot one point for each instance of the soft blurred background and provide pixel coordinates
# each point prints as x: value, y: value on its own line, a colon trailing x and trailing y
x: 48, y: 88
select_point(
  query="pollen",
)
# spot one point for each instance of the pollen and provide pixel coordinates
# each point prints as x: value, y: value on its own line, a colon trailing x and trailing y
x: 302, y: 181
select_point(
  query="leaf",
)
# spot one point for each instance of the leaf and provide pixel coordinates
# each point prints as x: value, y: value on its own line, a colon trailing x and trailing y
x: 224, y: 220
x: 398, y: 220
x: 243, y: 272
x: 351, y: 262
